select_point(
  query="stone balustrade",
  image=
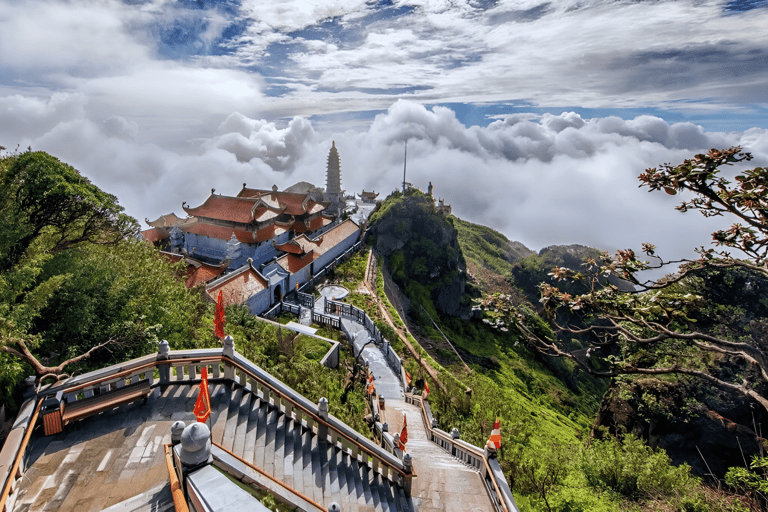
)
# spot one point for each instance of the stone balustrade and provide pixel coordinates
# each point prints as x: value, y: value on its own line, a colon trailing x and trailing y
x: 183, y: 367
x: 484, y: 460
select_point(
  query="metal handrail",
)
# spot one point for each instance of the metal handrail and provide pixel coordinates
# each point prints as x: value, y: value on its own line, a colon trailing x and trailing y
x: 179, y: 501
x: 19, y: 456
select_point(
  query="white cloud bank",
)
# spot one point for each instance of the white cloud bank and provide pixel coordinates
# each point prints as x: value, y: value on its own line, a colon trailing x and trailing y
x: 541, y: 180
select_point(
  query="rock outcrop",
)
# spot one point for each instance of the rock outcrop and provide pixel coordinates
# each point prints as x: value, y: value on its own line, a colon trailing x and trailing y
x: 421, y: 247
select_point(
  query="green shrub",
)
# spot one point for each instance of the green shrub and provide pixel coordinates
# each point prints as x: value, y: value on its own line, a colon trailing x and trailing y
x: 631, y: 468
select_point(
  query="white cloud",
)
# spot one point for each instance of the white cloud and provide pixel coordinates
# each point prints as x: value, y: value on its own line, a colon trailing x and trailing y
x: 279, y: 148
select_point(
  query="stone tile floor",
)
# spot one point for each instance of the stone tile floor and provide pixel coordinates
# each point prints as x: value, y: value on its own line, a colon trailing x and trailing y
x: 106, y: 459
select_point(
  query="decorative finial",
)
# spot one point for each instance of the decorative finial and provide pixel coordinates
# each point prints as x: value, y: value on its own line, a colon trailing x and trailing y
x: 213, y: 190
x: 274, y: 188
x: 333, y: 144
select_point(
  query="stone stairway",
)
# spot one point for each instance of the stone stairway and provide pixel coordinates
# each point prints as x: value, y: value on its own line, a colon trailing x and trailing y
x: 261, y: 433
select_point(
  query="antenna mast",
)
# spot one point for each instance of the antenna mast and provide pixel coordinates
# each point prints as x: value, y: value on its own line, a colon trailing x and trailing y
x: 405, y: 158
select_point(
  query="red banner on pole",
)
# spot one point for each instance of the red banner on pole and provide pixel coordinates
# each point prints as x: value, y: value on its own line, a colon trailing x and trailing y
x: 404, y: 434
x: 425, y: 394
x: 219, y: 320
x: 203, y: 403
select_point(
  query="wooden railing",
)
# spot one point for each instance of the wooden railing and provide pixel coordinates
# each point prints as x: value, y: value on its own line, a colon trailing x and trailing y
x: 14, y: 450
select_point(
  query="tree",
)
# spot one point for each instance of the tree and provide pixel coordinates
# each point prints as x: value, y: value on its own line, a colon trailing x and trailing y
x: 657, y: 328
x: 42, y: 196
x: 77, y: 289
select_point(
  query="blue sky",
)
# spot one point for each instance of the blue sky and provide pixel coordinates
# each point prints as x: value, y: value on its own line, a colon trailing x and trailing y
x: 532, y: 117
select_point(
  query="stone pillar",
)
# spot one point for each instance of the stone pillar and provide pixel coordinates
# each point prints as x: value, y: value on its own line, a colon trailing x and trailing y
x: 229, y: 352
x: 163, y: 354
x: 408, y: 466
x: 229, y: 347
x: 195, y: 446
x: 434, y: 423
x: 322, y: 411
x: 490, y: 453
x: 176, y: 430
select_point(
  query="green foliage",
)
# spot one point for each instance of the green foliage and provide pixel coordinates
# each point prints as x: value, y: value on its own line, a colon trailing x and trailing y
x: 43, y: 197
x: 485, y: 247
x: 72, y: 276
x: 634, y: 470
x: 750, y: 481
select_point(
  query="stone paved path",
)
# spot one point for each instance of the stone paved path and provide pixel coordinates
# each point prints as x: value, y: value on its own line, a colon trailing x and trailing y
x: 443, y: 483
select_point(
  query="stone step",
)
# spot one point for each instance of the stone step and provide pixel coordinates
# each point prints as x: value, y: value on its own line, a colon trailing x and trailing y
x: 287, y: 450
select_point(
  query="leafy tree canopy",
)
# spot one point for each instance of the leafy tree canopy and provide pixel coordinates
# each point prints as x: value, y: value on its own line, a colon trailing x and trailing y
x: 668, y: 326
x: 42, y: 196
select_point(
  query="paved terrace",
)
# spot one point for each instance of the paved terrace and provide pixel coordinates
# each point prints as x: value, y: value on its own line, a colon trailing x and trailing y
x: 105, y: 460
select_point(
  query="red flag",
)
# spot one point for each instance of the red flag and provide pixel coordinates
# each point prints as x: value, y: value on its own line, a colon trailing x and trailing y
x: 425, y: 394
x: 203, y: 403
x: 496, y: 434
x: 404, y: 434
x: 219, y: 320
x: 371, y: 388
x: 407, y: 379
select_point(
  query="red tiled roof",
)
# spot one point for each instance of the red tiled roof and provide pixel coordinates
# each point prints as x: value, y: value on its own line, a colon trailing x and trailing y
x: 262, y: 214
x: 290, y: 202
x: 299, y: 245
x: 221, y: 232
x: 203, y: 274
x: 167, y: 220
x: 154, y: 234
x: 234, y: 209
x: 291, y: 247
x: 269, y: 232
x: 293, y: 263
x: 196, y: 272
x: 318, y: 222
x: 239, y: 287
x: 300, y: 227
x: 336, y: 234
x: 251, y: 192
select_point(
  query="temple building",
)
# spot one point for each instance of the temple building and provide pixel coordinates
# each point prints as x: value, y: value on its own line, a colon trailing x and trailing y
x: 368, y: 197
x: 258, y: 245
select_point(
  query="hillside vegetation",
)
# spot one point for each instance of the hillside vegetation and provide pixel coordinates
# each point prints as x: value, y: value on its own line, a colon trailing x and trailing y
x: 547, y: 405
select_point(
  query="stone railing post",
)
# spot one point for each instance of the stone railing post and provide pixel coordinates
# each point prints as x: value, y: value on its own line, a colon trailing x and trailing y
x: 176, y: 430
x: 322, y: 411
x: 229, y: 347
x: 454, y: 436
x: 194, y: 450
x: 195, y: 445
x: 163, y: 354
x: 229, y: 352
x: 408, y: 467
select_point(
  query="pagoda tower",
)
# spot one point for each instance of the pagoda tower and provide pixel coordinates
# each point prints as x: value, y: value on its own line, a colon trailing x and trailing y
x: 333, y: 193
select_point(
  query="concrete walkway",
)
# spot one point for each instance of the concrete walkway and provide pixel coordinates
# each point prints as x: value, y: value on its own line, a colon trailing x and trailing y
x: 442, y: 482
